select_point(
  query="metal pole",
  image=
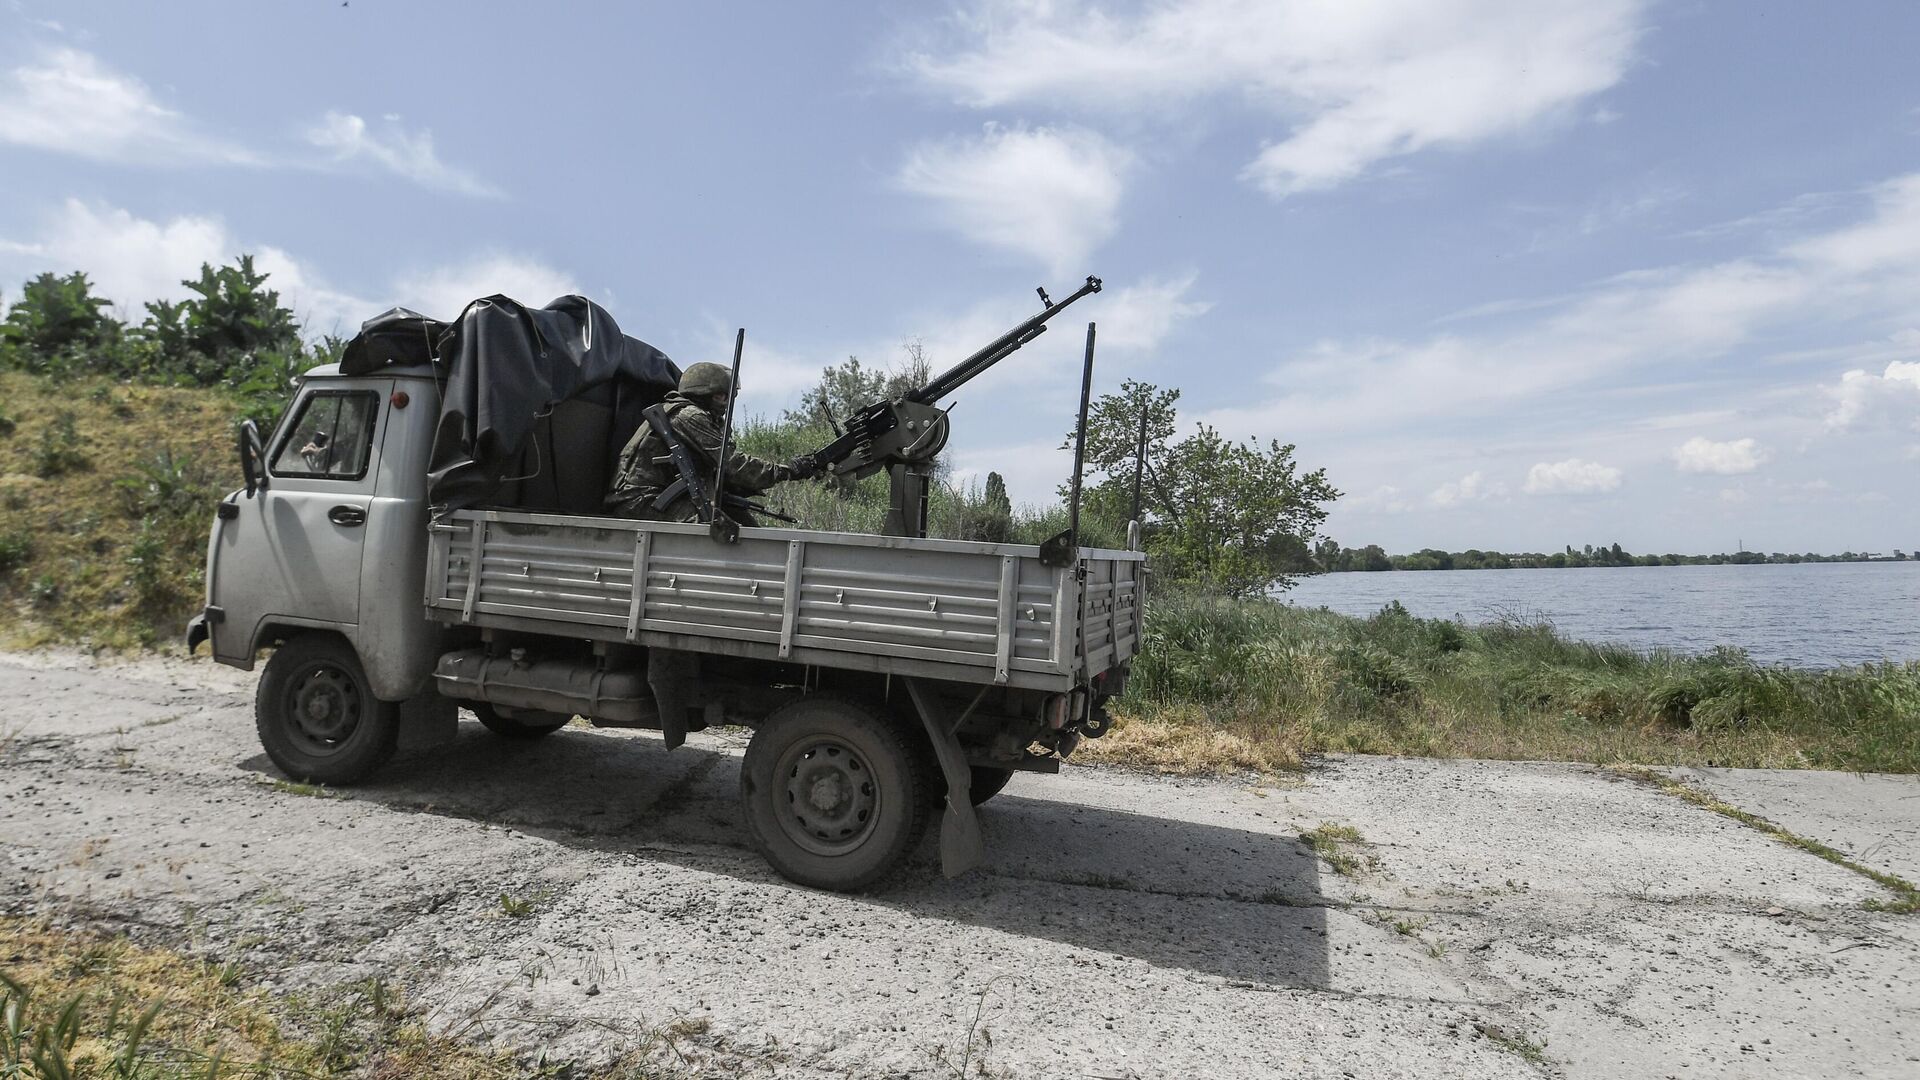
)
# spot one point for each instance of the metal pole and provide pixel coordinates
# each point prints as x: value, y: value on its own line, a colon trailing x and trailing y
x: 722, y: 527
x: 1080, y: 448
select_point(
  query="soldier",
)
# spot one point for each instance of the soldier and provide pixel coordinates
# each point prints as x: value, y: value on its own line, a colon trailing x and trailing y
x: 696, y: 412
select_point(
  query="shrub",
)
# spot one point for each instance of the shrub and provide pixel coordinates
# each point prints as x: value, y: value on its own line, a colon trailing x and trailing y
x: 58, y: 451
x: 16, y: 550
x: 169, y: 487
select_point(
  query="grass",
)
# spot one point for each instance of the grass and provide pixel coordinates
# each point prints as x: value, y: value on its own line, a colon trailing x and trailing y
x: 1906, y: 895
x: 519, y: 907
x: 1515, y: 1043
x: 1224, y: 686
x: 74, y: 1003
x: 106, y: 495
x: 1333, y: 843
x: 296, y: 787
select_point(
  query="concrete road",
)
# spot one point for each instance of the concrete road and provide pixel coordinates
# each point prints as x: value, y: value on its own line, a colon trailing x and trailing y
x: 1505, y: 920
x: 1874, y: 819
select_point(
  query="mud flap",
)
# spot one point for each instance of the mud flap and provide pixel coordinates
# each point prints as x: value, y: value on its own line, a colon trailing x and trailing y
x: 962, y: 847
x: 669, y: 673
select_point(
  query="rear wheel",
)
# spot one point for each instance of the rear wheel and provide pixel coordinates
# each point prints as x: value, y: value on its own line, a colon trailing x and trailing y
x: 835, y: 796
x: 316, y: 714
x: 523, y: 724
x: 986, y: 782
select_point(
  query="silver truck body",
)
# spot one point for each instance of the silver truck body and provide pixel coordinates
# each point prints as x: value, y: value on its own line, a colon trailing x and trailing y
x: 978, y: 613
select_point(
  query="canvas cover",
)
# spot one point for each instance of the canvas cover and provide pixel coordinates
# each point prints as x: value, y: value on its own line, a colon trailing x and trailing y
x: 535, y: 404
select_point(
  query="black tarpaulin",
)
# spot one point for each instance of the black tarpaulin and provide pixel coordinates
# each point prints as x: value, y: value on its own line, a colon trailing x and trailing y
x: 395, y: 336
x: 536, y: 403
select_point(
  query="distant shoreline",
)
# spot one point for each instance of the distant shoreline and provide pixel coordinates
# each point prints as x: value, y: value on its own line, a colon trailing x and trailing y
x: 1373, y: 560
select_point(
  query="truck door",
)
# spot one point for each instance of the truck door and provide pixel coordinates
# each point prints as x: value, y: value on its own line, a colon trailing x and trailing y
x: 292, y: 552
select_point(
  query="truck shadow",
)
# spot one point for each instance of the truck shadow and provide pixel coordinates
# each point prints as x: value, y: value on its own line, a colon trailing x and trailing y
x: 1236, y: 903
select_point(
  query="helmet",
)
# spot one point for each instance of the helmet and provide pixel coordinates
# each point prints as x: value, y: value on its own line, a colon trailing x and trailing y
x: 706, y: 380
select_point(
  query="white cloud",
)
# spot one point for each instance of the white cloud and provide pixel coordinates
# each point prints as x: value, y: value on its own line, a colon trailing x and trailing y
x: 1049, y: 193
x: 1670, y: 320
x: 1472, y: 487
x: 68, y: 101
x: 1141, y: 315
x: 443, y: 291
x: 1382, y: 499
x: 1702, y: 455
x: 1863, y: 399
x: 348, y: 138
x: 1356, y: 83
x: 1571, y: 477
x: 131, y: 260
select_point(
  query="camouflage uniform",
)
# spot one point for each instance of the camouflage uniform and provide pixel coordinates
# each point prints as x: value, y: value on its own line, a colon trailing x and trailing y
x: 646, y: 470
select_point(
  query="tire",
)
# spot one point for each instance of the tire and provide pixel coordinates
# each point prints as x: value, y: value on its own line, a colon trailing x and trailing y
x: 987, y: 782
x: 316, y: 714
x: 834, y: 795
x: 523, y: 724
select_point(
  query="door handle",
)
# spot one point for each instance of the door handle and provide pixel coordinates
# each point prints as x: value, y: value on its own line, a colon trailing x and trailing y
x: 348, y: 516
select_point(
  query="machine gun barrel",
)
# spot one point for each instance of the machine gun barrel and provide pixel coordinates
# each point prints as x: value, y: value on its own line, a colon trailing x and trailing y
x: 996, y: 350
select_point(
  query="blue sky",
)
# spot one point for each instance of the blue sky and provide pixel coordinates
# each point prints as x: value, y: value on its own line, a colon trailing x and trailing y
x: 1517, y: 274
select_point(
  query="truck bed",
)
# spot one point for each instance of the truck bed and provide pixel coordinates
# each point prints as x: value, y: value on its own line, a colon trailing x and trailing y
x: 944, y: 609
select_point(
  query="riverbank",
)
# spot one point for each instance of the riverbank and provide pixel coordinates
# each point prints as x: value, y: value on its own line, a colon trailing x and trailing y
x: 105, y: 487
x: 1260, y: 685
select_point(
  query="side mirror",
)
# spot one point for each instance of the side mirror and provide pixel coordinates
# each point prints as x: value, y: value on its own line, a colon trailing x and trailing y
x: 253, y: 458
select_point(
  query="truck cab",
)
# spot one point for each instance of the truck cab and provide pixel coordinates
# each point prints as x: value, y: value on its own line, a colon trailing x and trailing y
x: 330, y: 534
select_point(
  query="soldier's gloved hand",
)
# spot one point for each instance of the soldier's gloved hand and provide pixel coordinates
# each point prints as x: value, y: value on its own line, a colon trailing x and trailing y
x: 803, y: 467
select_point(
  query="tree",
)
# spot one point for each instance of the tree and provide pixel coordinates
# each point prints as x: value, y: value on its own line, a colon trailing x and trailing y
x: 57, y: 326
x: 231, y: 325
x: 1236, y: 517
x: 845, y: 388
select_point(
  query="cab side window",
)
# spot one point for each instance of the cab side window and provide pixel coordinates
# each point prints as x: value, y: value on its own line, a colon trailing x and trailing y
x: 331, y: 438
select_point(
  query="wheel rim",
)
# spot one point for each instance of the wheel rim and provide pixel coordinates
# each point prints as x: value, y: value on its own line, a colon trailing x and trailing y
x: 830, y: 800
x: 323, y: 708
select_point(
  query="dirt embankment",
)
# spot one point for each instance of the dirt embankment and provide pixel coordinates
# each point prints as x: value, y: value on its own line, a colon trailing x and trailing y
x: 590, y: 898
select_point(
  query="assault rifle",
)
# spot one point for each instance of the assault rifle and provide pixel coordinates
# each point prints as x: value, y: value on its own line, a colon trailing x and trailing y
x: 689, y: 483
x: 904, y: 435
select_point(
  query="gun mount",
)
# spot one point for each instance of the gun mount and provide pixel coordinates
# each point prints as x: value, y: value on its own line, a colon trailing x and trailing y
x: 905, y: 434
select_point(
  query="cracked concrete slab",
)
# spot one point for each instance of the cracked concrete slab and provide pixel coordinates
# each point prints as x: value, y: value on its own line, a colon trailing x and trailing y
x: 591, y: 894
x: 1873, y: 819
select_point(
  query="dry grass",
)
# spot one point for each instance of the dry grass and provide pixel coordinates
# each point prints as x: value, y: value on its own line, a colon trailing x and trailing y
x: 201, y: 1012
x: 1184, y: 741
x: 104, y: 541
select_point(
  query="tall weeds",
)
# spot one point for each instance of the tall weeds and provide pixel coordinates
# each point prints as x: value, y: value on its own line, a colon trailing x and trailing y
x: 1278, y: 682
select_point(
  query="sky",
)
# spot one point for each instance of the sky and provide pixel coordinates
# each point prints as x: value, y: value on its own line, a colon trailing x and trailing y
x: 1517, y: 275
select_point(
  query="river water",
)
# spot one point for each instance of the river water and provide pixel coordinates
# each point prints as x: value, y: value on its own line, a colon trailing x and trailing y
x: 1803, y: 614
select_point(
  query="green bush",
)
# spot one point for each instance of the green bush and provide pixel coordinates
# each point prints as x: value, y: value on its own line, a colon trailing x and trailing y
x: 16, y: 550
x: 58, y: 451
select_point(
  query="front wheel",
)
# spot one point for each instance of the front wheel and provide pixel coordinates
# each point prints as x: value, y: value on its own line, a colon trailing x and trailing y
x: 317, y: 716
x: 834, y: 795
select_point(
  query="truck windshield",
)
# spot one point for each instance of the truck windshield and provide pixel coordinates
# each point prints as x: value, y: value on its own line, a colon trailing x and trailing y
x: 331, y: 437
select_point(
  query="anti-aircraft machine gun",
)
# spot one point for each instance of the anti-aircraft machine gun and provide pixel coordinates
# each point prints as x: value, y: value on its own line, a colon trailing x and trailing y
x: 905, y: 434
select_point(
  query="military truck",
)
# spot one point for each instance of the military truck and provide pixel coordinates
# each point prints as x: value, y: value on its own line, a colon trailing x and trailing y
x: 885, y: 677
